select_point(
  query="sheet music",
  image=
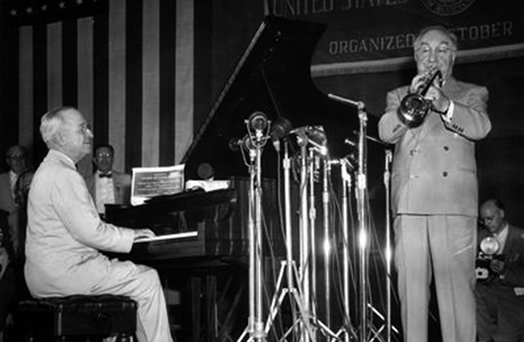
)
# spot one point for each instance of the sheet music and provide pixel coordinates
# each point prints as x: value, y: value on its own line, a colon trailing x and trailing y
x: 149, y: 182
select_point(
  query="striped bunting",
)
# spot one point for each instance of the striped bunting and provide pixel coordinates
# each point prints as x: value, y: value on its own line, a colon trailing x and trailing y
x: 129, y: 68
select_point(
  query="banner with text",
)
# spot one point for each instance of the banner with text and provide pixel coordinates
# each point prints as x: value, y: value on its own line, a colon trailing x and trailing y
x: 377, y: 35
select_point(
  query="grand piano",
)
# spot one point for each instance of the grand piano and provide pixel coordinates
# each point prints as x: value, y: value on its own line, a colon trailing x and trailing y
x: 202, y: 231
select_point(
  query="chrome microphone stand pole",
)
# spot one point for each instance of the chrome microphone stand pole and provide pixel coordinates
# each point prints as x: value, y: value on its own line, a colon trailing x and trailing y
x: 346, y: 189
x: 389, y: 252
x: 362, y: 214
x: 304, y: 273
x: 255, y: 328
x: 363, y: 222
x: 312, y: 214
x: 327, y: 241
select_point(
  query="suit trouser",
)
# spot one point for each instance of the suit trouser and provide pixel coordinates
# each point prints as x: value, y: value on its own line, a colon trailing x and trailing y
x: 142, y: 284
x: 442, y: 246
x: 500, y: 313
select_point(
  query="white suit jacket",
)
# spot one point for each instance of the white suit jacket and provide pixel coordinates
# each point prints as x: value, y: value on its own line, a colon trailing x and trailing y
x: 434, y: 169
x: 65, y: 233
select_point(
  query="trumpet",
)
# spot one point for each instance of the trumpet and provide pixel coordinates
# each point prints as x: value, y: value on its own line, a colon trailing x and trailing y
x: 414, y: 107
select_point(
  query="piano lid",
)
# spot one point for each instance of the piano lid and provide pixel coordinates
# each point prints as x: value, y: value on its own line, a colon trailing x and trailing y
x: 274, y: 77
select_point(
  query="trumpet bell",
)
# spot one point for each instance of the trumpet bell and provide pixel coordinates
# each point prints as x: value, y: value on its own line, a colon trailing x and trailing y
x: 414, y: 107
x: 413, y: 110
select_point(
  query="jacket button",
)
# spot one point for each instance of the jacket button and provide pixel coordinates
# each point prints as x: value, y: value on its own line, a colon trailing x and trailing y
x: 445, y: 174
x: 446, y: 148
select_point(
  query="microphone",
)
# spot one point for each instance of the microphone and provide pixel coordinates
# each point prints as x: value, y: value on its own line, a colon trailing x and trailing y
x: 314, y: 135
x: 236, y: 144
x: 280, y: 128
x: 257, y: 121
x: 351, y: 143
x: 358, y: 104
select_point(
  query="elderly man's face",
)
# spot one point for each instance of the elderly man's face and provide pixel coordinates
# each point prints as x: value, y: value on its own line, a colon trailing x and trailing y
x: 435, y: 49
x: 76, y: 134
x: 15, y: 158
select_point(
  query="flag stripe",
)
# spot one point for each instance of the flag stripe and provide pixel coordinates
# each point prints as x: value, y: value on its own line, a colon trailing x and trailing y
x: 167, y: 82
x: 70, y: 63
x: 130, y: 71
x: 39, y: 86
x: 85, y: 68
x: 150, y: 84
x: 80, y: 82
x: 101, y: 78
x: 54, y: 65
x: 25, y: 86
x: 184, y: 86
x: 133, y: 83
x: 117, y: 80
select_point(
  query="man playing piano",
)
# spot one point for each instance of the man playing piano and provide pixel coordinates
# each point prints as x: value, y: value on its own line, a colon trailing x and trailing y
x: 65, y: 235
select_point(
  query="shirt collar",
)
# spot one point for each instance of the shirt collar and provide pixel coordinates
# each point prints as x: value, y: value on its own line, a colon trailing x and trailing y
x: 63, y: 157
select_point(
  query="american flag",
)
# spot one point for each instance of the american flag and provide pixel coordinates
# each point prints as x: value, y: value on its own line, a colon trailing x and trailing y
x: 129, y: 66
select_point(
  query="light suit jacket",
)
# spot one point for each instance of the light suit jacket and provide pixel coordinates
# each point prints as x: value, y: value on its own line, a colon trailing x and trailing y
x: 121, y: 186
x: 65, y: 233
x: 434, y: 169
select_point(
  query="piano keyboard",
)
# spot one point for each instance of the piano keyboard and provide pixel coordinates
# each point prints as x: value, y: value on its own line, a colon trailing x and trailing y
x: 174, y: 236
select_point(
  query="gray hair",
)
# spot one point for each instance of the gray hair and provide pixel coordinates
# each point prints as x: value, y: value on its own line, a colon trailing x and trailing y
x: 442, y: 29
x: 51, y: 123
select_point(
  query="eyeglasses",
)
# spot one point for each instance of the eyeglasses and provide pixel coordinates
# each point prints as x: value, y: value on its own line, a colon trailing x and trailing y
x: 103, y: 155
x: 16, y: 157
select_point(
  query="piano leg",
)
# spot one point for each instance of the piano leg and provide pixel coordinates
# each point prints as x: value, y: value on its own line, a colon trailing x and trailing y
x: 204, y: 319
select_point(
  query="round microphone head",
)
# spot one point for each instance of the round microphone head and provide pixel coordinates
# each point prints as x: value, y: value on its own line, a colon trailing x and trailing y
x: 258, y: 121
x: 280, y: 128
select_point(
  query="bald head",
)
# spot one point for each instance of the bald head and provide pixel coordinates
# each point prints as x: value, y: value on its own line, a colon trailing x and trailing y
x: 492, y: 215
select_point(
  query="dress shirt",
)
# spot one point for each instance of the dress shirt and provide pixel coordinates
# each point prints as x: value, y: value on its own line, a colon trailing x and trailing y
x: 13, y: 177
x: 501, y: 238
x: 105, y: 193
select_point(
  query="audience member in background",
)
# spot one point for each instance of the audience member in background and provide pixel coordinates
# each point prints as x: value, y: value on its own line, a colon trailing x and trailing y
x: 500, y: 297
x: 21, y: 192
x: 7, y: 282
x: 16, y: 161
x: 434, y: 190
x: 66, y: 236
x: 106, y: 185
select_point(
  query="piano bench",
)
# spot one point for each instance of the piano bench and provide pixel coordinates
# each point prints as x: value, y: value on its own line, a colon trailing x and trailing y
x: 60, y: 318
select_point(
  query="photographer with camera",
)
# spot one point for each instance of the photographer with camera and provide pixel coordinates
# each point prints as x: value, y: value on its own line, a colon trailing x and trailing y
x: 500, y: 296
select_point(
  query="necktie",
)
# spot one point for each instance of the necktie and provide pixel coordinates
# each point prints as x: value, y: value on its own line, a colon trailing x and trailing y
x: 105, y: 175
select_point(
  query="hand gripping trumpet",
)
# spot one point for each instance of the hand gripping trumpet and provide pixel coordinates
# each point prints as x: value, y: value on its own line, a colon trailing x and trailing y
x: 414, y: 107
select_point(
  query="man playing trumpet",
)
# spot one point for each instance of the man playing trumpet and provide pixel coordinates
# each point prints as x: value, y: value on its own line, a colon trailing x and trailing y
x: 434, y: 190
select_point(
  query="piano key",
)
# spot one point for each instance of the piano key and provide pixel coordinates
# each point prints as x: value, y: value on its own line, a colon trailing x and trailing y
x: 175, y: 236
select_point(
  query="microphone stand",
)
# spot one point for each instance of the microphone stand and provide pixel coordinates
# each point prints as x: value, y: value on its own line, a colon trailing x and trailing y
x: 387, y: 176
x: 288, y: 268
x: 363, y: 221
x: 362, y: 214
x: 345, y: 331
x: 327, y: 241
x: 255, y: 327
